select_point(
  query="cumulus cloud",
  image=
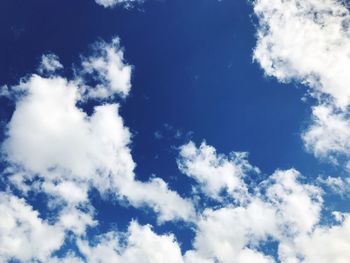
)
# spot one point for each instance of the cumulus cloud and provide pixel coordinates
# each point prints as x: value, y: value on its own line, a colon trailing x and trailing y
x: 113, y: 3
x: 49, y: 64
x: 281, y: 210
x: 214, y: 172
x: 26, y: 237
x: 308, y: 42
x: 141, y: 245
x: 108, y: 68
x: 55, y: 147
x: 326, y: 244
x: 52, y: 141
x: 23, y: 234
x: 328, y: 136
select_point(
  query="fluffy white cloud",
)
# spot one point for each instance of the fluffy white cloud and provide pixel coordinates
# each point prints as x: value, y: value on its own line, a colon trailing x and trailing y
x: 49, y: 64
x: 113, y: 3
x: 329, y: 134
x: 76, y: 220
x: 108, y: 68
x: 214, y: 172
x: 224, y: 233
x: 307, y: 41
x: 49, y: 137
x: 281, y: 210
x: 23, y: 234
x: 326, y: 244
x: 53, y: 146
x: 156, y: 194
x: 57, y: 148
x: 298, y: 206
x: 142, y: 245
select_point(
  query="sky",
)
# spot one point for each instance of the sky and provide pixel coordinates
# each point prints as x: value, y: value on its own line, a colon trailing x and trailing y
x: 154, y: 131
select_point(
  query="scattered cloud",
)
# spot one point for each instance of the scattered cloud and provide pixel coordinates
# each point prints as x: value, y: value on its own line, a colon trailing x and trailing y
x: 113, y: 3
x: 108, y: 68
x: 214, y: 172
x: 54, y: 147
x: 338, y: 185
x: 49, y: 64
x: 328, y: 136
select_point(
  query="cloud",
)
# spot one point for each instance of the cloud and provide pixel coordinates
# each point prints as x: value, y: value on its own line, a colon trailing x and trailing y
x: 214, y: 172
x: 53, y: 146
x: 49, y: 64
x: 155, y: 193
x: 141, y: 245
x: 51, y: 139
x: 108, y: 68
x: 326, y: 244
x: 23, y: 235
x: 328, y: 136
x: 113, y: 3
x: 338, y: 185
x: 281, y: 209
x: 308, y: 42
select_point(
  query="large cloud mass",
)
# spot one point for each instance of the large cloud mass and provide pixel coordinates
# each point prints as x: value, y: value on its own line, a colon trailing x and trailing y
x: 309, y: 42
x: 55, y: 148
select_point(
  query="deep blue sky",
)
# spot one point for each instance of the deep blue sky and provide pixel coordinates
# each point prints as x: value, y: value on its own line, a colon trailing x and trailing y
x: 193, y: 72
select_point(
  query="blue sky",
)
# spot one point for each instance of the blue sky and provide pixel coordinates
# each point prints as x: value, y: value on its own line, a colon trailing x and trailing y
x: 174, y: 131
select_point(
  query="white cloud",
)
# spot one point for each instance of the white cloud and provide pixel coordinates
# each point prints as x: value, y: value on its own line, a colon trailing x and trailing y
x: 324, y: 245
x: 113, y: 3
x: 142, y: 245
x: 307, y: 41
x: 328, y: 136
x: 76, y: 220
x: 23, y: 234
x: 225, y: 233
x: 57, y: 148
x: 338, y: 185
x: 156, y: 194
x: 49, y: 64
x: 70, y: 258
x: 214, y: 172
x: 71, y: 192
x: 107, y: 66
x: 49, y: 137
x: 298, y: 205
x: 281, y: 210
